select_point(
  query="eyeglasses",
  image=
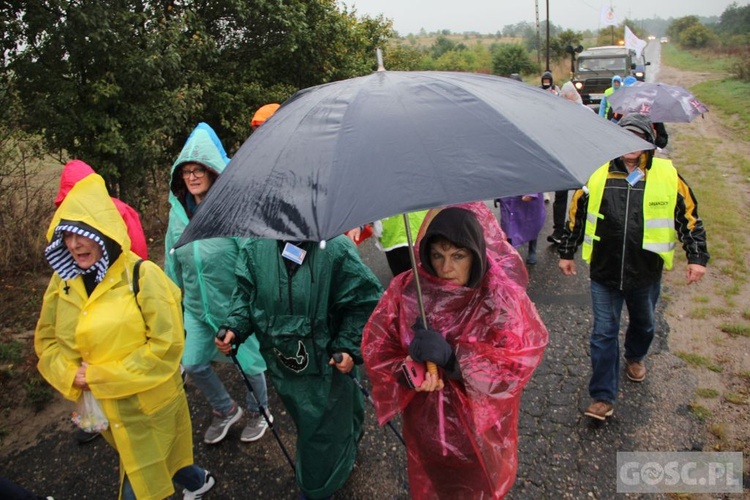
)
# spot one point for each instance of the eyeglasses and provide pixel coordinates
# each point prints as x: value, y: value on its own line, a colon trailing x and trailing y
x: 198, y: 172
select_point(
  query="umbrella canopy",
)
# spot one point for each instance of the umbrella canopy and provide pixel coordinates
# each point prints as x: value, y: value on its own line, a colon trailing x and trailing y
x: 339, y: 155
x: 661, y: 102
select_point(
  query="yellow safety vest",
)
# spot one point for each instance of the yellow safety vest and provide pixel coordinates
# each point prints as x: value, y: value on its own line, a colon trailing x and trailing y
x: 659, y: 201
x: 394, y: 231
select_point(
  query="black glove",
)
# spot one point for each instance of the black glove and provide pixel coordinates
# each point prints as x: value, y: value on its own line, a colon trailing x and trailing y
x: 429, y: 345
x: 496, y: 202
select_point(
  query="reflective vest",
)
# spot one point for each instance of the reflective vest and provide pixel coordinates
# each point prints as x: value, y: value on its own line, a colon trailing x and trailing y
x: 394, y: 232
x: 659, y: 201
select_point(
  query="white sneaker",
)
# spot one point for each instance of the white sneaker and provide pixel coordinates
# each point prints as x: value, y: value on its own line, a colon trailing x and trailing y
x: 208, y: 483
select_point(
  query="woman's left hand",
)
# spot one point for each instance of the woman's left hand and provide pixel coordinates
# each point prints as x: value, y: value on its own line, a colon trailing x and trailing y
x: 80, y: 381
x: 432, y: 382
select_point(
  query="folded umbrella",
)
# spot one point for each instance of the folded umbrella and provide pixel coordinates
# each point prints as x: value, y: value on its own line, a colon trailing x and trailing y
x: 661, y: 102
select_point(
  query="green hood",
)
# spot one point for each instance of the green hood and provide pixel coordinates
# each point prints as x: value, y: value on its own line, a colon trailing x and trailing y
x: 204, y: 147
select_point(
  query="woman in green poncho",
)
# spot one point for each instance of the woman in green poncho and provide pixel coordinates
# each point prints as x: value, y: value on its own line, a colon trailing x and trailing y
x: 204, y: 270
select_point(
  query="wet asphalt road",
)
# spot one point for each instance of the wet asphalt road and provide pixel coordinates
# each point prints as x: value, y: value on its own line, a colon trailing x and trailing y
x: 561, y: 453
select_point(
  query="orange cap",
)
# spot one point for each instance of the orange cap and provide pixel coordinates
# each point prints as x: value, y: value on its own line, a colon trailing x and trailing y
x: 264, y: 113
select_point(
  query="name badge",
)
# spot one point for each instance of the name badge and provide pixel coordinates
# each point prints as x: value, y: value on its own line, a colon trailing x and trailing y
x: 294, y: 253
x: 635, y: 176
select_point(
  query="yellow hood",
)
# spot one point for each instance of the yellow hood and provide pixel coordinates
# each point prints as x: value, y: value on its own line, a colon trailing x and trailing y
x: 90, y: 203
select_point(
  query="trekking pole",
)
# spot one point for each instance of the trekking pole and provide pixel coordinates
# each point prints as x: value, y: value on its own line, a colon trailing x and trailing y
x: 338, y: 358
x: 220, y: 335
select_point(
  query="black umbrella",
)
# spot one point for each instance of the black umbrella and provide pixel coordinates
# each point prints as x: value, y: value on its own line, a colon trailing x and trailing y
x: 661, y: 102
x: 339, y: 155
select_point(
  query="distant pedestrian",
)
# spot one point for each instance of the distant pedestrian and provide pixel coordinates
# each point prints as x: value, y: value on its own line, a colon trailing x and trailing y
x: 626, y: 219
x: 548, y: 83
x: 391, y: 234
x: 605, y: 110
x: 522, y: 218
x: 560, y: 205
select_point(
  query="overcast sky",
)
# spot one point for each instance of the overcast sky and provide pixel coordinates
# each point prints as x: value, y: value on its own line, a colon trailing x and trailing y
x: 489, y: 16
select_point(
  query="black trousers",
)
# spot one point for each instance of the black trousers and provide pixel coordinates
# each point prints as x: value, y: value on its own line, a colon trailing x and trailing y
x: 559, y: 209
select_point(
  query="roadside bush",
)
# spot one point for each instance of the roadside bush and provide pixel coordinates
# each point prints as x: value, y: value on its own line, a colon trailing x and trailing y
x: 511, y: 58
x: 697, y: 36
x: 741, y: 68
x: 25, y: 202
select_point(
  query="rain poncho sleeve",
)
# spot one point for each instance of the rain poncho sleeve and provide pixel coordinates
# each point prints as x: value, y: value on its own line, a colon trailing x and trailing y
x: 461, y: 441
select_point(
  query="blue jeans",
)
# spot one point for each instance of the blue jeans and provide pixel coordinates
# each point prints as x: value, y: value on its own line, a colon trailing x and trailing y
x: 191, y: 477
x: 605, y: 347
x: 205, y: 379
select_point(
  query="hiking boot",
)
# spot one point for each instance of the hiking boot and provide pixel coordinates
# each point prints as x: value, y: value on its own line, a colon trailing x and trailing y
x: 531, y: 257
x: 256, y: 427
x: 221, y: 423
x: 83, y: 437
x: 208, y: 483
x: 635, y: 370
x: 600, y: 410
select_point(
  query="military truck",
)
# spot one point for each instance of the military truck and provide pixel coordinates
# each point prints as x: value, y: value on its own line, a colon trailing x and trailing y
x: 595, y: 68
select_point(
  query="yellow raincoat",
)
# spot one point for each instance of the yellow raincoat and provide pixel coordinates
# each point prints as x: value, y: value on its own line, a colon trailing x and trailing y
x: 133, y: 354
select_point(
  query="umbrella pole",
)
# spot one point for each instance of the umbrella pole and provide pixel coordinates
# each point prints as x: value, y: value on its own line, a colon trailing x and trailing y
x: 431, y: 367
x: 413, y: 258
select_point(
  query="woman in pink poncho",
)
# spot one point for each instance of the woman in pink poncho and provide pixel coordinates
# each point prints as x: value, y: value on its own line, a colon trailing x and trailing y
x: 486, y: 336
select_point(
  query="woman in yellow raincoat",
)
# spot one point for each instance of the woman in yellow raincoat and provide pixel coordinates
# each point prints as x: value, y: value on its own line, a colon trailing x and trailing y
x: 94, y: 334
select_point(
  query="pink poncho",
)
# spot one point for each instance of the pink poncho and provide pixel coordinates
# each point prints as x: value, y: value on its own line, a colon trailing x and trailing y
x: 461, y: 441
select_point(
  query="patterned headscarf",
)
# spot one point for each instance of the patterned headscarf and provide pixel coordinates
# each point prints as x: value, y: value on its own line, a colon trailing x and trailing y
x: 62, y: 261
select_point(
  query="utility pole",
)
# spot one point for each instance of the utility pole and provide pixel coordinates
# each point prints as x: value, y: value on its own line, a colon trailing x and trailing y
x: 538, y: 37
x: 547, y: 69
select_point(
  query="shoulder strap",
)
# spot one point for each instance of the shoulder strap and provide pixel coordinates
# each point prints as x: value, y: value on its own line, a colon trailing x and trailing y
x: 136, y: 279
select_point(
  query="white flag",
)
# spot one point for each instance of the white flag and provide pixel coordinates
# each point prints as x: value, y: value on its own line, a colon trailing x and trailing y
x: 608, y: 17
x: 633, y: 42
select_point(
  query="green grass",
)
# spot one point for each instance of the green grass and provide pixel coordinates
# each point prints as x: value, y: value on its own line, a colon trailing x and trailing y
x: 734, y: 398
x: 700, y: 411
x: 699, y: 361
x: 706, y: 60
x: 11, y: 352
x: 741, y: 329
x: 730, y: 98
x: 707, y: 393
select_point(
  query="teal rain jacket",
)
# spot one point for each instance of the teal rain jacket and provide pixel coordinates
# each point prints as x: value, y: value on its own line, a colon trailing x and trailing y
x: 203, y: 269
x: 301, y: 316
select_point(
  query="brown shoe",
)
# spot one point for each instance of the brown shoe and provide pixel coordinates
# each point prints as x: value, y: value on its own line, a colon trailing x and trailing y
x: 600, y: 410
x: 635, y: 370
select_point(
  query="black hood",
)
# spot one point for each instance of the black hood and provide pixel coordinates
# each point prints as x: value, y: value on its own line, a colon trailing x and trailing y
x: 547, y: 75
x: 462, y: 228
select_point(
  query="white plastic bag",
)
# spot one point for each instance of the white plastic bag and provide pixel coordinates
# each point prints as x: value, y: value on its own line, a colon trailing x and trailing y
x: 89, y: 415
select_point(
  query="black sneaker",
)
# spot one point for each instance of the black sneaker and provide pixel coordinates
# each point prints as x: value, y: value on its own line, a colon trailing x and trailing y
x: 554, y: 238
x: 83, y: 437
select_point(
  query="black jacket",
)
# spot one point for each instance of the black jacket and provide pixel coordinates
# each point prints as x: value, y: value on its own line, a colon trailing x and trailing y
x: 618, y: 259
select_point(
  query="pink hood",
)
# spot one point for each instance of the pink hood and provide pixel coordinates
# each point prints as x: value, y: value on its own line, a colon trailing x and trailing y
x: 73, y: 172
